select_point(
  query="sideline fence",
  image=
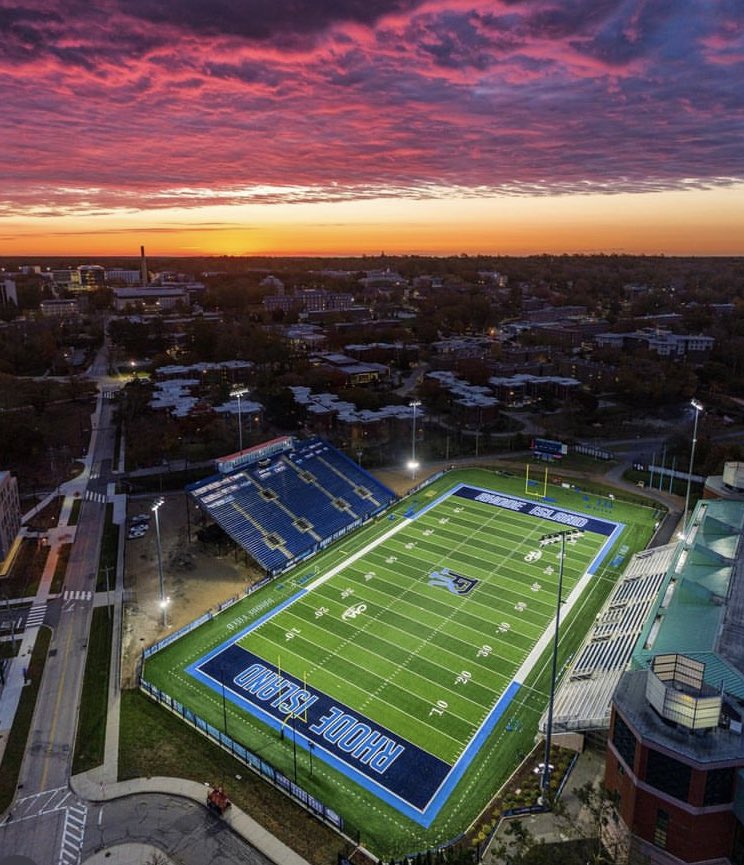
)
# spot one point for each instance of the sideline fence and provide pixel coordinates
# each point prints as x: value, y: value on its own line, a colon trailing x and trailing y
x: 245, y: 756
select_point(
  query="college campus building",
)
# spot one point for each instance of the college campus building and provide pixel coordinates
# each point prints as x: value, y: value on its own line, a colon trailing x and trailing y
x: 10, y: 513
x: 675, y: 755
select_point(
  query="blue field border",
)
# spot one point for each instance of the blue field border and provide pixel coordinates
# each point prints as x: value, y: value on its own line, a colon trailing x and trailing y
x: 422, y: 816
x: 605, y: 548
x: 248, y: 628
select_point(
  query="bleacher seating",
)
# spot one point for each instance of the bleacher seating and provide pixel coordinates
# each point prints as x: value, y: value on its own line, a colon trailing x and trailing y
x: 287, y: 508
x: 583, y: 698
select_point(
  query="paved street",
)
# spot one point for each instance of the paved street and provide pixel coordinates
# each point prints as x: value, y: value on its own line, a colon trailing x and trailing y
x: 48, y: 822
x: 185, y: 831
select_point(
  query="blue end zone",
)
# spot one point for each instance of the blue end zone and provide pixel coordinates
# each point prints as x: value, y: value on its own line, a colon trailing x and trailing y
x: 413, y: 781
x: 569, y: 519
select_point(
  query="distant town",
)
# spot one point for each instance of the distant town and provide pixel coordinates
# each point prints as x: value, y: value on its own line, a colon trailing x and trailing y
x: 588, y: 348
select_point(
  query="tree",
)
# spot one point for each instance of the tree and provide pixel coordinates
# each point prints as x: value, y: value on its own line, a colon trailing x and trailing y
x: 595, y: 835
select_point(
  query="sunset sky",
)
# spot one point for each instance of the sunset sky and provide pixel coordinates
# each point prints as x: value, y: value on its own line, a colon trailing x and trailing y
x: 254, y: 127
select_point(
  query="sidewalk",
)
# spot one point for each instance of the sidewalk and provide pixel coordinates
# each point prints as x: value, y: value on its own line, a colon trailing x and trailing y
x: 546, y: 828
x: 62, y: 533
x: 15, y: 678
x: 89, y: 786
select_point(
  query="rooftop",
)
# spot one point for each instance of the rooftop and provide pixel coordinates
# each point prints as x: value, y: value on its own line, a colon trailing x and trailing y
x: 700, y: 608
x: 716, y: 745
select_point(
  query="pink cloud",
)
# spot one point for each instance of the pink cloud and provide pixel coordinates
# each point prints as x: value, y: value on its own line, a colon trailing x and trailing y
x: 132, y: 105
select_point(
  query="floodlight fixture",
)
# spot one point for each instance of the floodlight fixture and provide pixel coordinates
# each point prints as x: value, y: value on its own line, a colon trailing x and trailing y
x: 698, y: 406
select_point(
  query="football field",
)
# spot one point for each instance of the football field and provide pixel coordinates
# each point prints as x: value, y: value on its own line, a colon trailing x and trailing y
x: 396, y: 664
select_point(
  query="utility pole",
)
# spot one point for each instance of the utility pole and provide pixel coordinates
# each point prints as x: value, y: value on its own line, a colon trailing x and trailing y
x: 545, y: 540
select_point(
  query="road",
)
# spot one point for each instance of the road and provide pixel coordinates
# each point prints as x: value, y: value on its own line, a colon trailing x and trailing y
x: 185, y: 831
x: 47, y: 823
x: 49, y: 760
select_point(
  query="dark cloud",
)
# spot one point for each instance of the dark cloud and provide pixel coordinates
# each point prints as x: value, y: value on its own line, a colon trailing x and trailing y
x: 263, y: 19
x: 148, y: 105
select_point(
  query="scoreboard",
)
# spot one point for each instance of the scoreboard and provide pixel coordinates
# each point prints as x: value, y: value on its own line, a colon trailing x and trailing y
x: 549, y: 448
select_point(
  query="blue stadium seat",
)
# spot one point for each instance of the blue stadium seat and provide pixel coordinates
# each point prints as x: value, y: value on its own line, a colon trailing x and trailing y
x: 282, y: 511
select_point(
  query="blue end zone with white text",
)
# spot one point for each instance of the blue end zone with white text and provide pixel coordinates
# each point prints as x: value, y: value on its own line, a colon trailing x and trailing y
x: 368, y: 748
x: 568, y: 519
x: 413, y: 781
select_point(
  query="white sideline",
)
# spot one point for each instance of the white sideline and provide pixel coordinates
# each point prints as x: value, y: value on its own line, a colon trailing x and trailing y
x: 549, y: 632
x: 358, y: 554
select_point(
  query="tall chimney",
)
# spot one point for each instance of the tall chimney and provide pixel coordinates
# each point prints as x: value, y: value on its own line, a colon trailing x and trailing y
x: 144, y: 276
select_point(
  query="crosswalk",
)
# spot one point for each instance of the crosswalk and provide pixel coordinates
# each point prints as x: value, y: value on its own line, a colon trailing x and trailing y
x: 92, y: 496
x: 61, y: 799
x: 108, y: 394
x: 73, y: 834
x: 36, y: 615
x: 79, y: 595
x: 39, y: 804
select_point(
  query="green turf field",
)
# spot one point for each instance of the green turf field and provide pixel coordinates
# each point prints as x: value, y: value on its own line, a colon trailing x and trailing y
x: 419, y: 626
x: 423, y: 661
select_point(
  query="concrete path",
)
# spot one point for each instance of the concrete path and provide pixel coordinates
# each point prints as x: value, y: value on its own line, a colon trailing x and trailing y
x: 547, y: 828
x: 90, y: 787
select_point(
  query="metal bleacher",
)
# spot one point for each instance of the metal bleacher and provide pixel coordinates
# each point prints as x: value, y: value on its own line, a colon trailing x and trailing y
x: 285, y: 507
x: 583, y: 698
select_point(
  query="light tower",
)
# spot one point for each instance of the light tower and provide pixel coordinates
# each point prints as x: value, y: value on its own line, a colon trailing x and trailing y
x: 239, y: 392
x: 697, y: 405
x: 412, y: 464
x: 163, y: 600
x: 545, y: 540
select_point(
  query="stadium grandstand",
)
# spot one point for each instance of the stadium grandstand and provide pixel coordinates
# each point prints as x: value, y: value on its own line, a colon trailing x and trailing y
x: 680, y: 598
x: 675, y: 757
x: 582, y: 702
x: 285, y: 499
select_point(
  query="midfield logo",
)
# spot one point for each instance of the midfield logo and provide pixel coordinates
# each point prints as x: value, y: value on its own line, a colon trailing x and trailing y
x: 455, y: 583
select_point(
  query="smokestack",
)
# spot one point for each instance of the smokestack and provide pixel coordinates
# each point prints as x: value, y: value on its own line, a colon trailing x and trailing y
x: 144, y: 276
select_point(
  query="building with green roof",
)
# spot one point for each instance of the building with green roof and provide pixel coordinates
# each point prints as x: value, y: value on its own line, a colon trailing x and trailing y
x: 675, y: 756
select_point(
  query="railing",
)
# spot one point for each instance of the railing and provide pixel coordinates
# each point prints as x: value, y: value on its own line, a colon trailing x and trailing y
x: 245, y: 756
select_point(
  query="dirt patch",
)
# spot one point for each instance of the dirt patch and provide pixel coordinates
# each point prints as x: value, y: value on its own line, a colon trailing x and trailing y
x: 195, y: 578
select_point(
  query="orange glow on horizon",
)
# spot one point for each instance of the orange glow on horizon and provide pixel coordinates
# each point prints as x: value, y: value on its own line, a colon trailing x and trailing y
x: 704, y: 222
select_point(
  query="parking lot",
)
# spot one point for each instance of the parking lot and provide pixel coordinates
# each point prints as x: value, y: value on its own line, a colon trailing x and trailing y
x: 195, y: 577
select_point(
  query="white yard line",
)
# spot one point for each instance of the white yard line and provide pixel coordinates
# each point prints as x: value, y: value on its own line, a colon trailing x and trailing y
x: 403, y: 522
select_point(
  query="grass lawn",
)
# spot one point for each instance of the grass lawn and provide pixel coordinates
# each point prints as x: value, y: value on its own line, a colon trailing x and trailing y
x: 109, y: 548
x: 26, y: 570
x: 75, y: 513
x: 153, y: 741
x: 424, y: 629
x: 60, y: 569
x: 91, y: 732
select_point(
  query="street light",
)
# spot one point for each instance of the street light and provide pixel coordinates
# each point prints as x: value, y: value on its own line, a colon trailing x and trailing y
x: 698, y: 406
x: 412, y: 464
x: 163, y: 600
x: 545, y: 540
x: 239, y: 392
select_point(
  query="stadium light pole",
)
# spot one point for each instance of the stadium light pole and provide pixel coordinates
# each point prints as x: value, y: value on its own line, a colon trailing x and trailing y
x: 698, y: 406
x: 413, y: 465
x: 545, y: 540
x: 156, y: 505
x: 239, y: 392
